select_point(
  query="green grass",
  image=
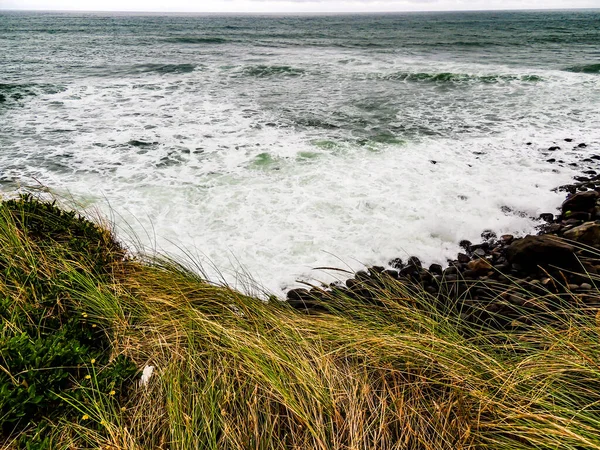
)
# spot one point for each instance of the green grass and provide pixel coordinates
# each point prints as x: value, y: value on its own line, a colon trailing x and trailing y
x: 236, y: 372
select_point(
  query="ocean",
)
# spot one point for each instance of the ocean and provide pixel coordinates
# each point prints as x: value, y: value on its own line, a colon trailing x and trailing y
x: 264, y: 147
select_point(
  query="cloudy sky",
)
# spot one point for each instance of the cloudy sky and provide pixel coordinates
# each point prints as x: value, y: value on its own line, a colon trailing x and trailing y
x: 233, y: 6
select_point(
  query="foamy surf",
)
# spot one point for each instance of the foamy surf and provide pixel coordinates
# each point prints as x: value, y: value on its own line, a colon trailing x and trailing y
x: 257, y: 154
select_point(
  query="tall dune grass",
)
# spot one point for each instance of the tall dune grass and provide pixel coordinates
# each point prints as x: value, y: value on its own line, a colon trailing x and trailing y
x: 236, y: 372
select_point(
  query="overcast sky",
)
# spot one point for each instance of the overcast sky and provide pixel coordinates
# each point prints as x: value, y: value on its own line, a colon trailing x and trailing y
x: 233, y: 6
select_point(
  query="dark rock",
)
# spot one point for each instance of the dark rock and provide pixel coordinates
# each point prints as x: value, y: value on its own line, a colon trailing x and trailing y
x: 414, y: 261
x: 546, y: 217
x: 583, y: 201
x: 451, y: 270
x: 588, y: 234
x: 479, y: 252
x: 507, y: 238
x: 582, y: 145
x: 435, y: 269
x: 462, y: 258
x: 479, y: 265
x: 299, y: 294
x: 351, y: 283
x: 362, y: 275
x: 577, y: 216
x: 568, y: 140
x: 488, y: 235
x: 433, y: 161
x: 391, y: 273
x: 554, y: 147
x: 376, y: 269
x: 396, y: 263
x: 533, y: 251
x: 528, y: 143
x: 464, y: 244
x: 551, y: 160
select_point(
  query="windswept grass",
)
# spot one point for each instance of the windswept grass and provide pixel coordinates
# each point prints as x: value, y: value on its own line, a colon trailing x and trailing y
x: 236, y: 372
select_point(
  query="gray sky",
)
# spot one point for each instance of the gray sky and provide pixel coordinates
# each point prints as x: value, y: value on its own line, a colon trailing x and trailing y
x: 233, y: 6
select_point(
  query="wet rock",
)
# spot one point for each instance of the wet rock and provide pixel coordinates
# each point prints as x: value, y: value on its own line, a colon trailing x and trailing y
x: 435, y: 269
x: 577, y: 216
x: 588, y: 234
x: 582, y: 145
x: 479, y: 252
x: 462, y: 258
x: 568, y: 140
x: 299, y: 294
x: 391, y: 273
x: 546, y: 217
x: 553, y: 148
x: 464, y: 244
x: 414, y: 261
x: 488, y: 235
x: 507, y: 238
x: 532, y: 251
x: 396, y: 263
x: 479, y: 265
x: 583, y: 201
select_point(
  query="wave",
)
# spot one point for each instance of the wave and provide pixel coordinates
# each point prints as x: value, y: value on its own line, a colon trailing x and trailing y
x: 449, y: 77
x: 15, y: 92
x: 197, y: 40
x: 164, y: 68
x: 263, y: 71
x: 587, y: 68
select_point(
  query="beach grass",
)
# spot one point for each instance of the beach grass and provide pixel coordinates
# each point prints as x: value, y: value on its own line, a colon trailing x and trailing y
x: 395, y: 369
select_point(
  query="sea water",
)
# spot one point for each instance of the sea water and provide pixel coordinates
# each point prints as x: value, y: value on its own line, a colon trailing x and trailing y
x: 268, y: 146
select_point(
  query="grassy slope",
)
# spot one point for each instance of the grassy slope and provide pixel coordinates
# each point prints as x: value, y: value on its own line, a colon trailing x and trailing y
x: 234, y: 372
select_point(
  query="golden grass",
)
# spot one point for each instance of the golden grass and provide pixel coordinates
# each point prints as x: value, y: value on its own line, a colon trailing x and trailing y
x: 236, y: 372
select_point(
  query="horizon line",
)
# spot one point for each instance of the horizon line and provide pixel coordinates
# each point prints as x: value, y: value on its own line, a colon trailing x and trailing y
x: 291, y: 12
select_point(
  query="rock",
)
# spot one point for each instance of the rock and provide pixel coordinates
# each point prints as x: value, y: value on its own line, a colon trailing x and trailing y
x: 585, y: 286
x: 546, y: 217
x: 568, y: 140
x: 299, y: 294
x: 362, y: 275
x: 376, y: 269
x: 528, y: 143
x: 488, y: 235
x: 451, y: 270
x: 463, y: 259
x: 414, y: 261
x: 464, y: 244
x: 582, y: 145
x: 479, y: 252
x: 588, y: 234
x: 507, y: 238
x: 532, y: 251
x: 302, y: 299
x: 479, y: 265
x: 432, y: 161
x: 391, y: 273
x: 583, y: 201
x: 577, y: 216
x: 554, y: 147
x: 551, y: 160
x: 396, y: 263
x: 435, y: 269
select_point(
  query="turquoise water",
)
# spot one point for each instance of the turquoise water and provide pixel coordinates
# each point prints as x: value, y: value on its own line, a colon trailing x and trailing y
x: 281, y: 143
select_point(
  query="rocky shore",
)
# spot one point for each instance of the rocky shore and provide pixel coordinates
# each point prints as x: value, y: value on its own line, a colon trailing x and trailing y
x: 503, y: 281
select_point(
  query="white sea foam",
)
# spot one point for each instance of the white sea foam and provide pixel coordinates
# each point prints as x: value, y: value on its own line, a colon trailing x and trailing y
x: 209, y: 165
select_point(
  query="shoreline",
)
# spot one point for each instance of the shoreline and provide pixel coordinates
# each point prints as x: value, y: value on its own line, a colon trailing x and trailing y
x: 484, y: 279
